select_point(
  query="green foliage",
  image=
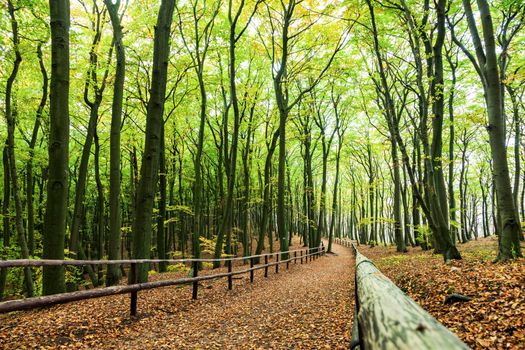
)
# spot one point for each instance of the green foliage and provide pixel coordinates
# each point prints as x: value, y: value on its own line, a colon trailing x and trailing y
x: 74, y: 275
x: 174, y: 254
x: 180, y: 267
x: 423, y: 236
x: 208, y: 246
x: 184, y: 209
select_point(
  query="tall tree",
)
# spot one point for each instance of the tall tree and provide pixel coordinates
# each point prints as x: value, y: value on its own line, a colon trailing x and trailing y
x: 114, y: 253
x: 10, y: 119
x: 486, y: 64
x: 96, y: 87
x: 234, y: 14
x: 142, y: 225
x: 282, y: 74
x: 198, y: 51
x: 57, y: 186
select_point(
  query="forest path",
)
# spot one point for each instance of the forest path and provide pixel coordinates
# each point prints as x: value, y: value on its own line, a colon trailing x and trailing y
x: 307, y: 307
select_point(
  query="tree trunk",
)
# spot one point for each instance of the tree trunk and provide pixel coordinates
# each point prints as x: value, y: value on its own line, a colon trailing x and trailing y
x: 57, y: 186
x: 114, y: 250
x: 13, y: 174
x: 161, y: 246
x: 451, y: 154
x: 398, y: 232
x: 6, y: 219
x: 32, y: 143
x: 142, y: 225
x: 101, y: 224
x: 334, y: 200
x: 509, y: 244
x: 266, y: 211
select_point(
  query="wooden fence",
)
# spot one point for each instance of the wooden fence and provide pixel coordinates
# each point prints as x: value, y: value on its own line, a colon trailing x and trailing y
x: 386, y: 318
x: 302, y: 255
x: 345, y: 242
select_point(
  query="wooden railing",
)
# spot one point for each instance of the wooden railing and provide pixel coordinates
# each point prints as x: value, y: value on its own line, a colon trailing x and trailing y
x: 345, y: 242
x: 386, y: 318
x: 302, y: 255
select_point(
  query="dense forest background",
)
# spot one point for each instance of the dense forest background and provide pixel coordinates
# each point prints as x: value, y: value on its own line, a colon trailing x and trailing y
x: 162, y: 129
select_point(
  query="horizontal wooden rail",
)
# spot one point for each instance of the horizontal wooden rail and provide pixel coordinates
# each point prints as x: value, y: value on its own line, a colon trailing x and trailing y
x: 388, y: 319
x: 31, y: 303
x: 52, y: 262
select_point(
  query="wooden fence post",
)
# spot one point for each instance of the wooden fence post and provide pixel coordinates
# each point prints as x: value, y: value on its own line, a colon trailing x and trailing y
x: 301, y: 253
x: 230, y: 282
x: 195, y: 283
x: 295, y: 257
x: 133, y: 300
x: 251, y: 270
x: 265, y: 265
x: 277, y: 263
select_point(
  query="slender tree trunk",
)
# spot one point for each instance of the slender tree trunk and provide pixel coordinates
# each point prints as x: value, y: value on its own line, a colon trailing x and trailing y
x: 57, y: 186
x: 409, y: 239
x: 13, y: 174
x: 398, y: 232
x: 6, y: 218
x: 451, y: 154
x: 484, y: 206
x: 509, y: 244
x: 334, y: 201
x: 227, y: 224
x: 517, y: 144
x: 32, y: 143
x: 76, y: 248
x: 462, y: 199
x: 114, y: 250
x: 438, y: 196
x: 161, y: 247
x: 266, y: 210
x: 246, y: 156
x: 150, y: 160
x: 101, y: 224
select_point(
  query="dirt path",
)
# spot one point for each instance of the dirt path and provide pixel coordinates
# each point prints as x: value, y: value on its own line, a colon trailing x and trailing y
x: 307, y: 307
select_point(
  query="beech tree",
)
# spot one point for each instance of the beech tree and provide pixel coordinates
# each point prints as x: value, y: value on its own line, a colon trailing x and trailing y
x: 57, y: 183
x: 486, y: 64
x: 154, y: 119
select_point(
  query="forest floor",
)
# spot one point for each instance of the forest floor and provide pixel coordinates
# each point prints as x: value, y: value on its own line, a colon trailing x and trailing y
x: 493, y: 319
x: 308, y: 306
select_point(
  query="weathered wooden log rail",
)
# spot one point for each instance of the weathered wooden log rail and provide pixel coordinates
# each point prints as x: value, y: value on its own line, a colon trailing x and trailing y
x: 386, y: 318
x: 302, y: 255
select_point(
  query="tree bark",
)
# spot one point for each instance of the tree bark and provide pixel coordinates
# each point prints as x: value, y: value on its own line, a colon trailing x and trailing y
x: 6, y: 219
x: 13, y: 174
x: 114, y: 250
x: 32, y: 143
x: 57, y: 186
x: 142, y: 224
